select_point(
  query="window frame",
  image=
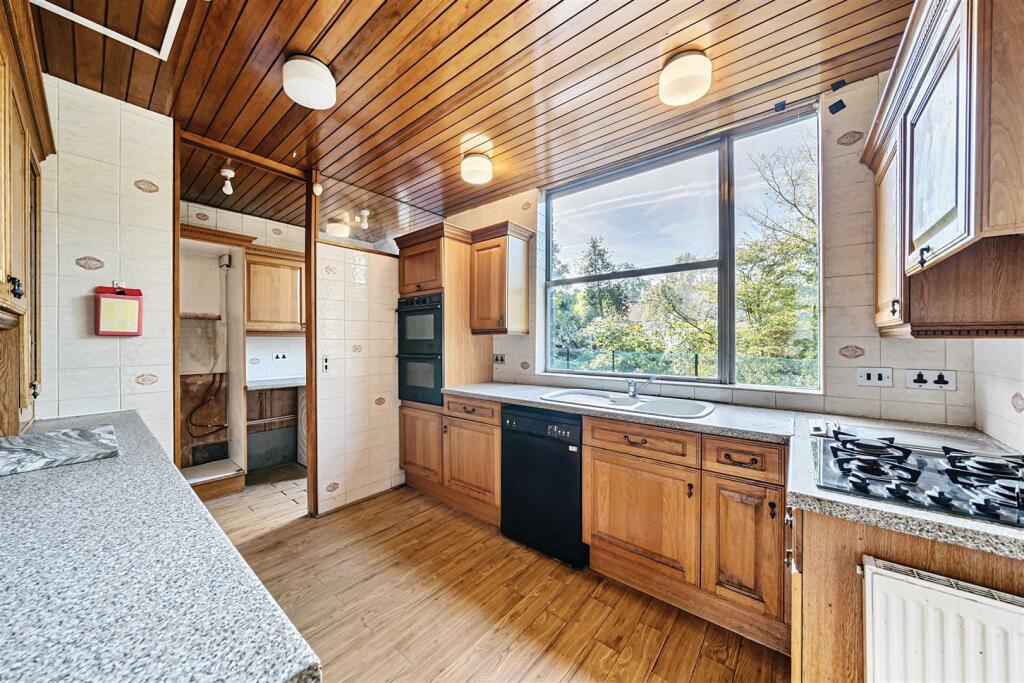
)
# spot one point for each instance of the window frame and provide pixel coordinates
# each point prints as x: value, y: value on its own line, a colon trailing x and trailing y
x: 722, y: 143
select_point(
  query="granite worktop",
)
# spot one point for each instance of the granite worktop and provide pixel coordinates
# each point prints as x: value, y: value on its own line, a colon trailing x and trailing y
x: 803, y: 492
x: 793, y: 428
x: 760, y: 424
x: 275, y: 383
x: 114, y: 570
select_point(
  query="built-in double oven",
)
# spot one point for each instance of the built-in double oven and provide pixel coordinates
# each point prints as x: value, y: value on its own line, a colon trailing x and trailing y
x: 421, y: 348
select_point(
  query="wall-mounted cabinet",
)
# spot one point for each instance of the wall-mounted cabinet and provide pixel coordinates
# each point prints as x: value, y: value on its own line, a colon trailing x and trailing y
x: 421, y: 267
x: 275, y: 293
x: 25, y: 140
x: 949, y: 188
x: 499, y: 270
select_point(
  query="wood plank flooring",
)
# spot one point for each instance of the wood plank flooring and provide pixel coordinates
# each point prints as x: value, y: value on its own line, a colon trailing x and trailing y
x: 404, y: 588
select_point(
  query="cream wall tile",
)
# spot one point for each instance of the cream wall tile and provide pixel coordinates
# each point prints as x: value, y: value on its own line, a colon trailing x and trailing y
x: 924, y: 354
x: 838, y: 349
x: 148, y: 158
x: 82, y: 108
x: 85, y: 172
x: 88, y: 142
x: 77, y: 383
x: 855, y: 259
x: 914, y: 412
x: 152, y: 215
x: 146, y: 379
x: 804, y: 402
x: 851, y: 290
x: 853, y: 406
x: 75, y: 200
x: 79, y: 231
x: 850, y: 321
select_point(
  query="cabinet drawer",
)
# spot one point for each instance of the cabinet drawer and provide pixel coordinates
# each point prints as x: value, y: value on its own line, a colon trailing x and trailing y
x: 667, y: 445
x: 748, y: 459
x: 473, y: 409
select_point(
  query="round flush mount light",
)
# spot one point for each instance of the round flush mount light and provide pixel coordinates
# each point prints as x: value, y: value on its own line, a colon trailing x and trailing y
x: 309, y: 82
x: 477, y: 168
x: 685, y: 78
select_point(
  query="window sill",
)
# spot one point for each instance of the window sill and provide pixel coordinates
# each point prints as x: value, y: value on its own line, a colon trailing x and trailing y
x: 591, y: 379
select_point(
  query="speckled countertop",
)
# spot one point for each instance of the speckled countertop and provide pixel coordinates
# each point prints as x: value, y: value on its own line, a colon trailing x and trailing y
x: 783, y: 426
x: 275, y: 383
x: 114, y: 570
x: 761, y: 424
x: 803, y: 492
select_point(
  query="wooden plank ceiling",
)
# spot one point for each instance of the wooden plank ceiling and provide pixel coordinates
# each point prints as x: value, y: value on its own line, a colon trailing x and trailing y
x: 557, y: 89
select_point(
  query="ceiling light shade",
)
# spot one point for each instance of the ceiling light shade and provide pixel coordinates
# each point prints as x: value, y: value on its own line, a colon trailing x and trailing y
x: 685, y: 78
x: 309, y: 82
x: 477, y: 168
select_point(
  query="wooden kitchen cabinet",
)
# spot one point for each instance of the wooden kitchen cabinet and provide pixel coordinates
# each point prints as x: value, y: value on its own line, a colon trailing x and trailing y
x: 420, y: 267
x: 890, y: 279
x: 742, y: 543
x: 499, y: 280
x: 18, y: 202
x: 420, y: 443
x: 274, y: 294
x: 472, y: 459
x: 644, y: 509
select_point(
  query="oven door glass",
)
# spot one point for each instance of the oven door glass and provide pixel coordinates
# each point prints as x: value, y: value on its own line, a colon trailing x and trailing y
x: 419, y: 332
x: 419, y: 379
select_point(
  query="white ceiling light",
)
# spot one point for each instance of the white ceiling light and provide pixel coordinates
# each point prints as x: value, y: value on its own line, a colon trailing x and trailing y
x: 477, y: 168
x: 685, y: 78
x: 309, y: 82
x: 228, y: 175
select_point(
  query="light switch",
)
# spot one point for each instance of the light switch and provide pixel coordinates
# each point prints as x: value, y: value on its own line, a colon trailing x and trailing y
x: 874, y: 377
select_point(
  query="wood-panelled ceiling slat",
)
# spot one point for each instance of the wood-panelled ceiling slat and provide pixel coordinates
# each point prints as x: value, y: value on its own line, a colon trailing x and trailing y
x: 556, y: 90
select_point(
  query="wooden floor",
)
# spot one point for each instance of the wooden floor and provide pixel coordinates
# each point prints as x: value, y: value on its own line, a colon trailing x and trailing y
x: 403, y: 588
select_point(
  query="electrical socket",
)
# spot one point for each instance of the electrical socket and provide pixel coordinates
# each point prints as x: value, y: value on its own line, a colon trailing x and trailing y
x: 874, y: 377
x: 280, y: 356
x: 932, y: 380
x: 499, y: 359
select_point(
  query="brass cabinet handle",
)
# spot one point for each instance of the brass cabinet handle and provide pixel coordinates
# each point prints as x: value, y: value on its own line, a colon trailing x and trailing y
x: 739, y: 463
x: 631, y: 442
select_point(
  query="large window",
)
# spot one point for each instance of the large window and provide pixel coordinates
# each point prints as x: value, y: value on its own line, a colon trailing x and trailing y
x: 701, y: 266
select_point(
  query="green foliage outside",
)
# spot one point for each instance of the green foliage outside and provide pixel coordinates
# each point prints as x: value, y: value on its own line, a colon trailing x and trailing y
x: 668, y: 324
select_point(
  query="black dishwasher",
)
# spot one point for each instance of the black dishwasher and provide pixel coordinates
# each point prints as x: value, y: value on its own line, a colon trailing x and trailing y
x: 541, y: 482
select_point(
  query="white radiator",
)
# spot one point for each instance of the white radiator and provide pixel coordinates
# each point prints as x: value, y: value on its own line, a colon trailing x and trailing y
x: 925, y: 627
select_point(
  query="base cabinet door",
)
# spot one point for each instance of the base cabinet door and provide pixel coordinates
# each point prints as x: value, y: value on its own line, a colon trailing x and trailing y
x: 742, y: 543
x: 648, y: 509
x: 420, y: 443
x: 472, y: 459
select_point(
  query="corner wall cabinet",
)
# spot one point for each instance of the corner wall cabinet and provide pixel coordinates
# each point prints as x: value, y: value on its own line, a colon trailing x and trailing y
x: 499, y: 273
x: 275, y: 292
x: 949, y: 187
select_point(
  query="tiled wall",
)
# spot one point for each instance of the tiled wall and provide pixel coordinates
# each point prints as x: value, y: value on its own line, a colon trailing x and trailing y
x: 267, y: 232
x: 260, y: 352
x: 357, y: 392
x: 106, y: 214
x: 999, y: 389
x: 850, y: 337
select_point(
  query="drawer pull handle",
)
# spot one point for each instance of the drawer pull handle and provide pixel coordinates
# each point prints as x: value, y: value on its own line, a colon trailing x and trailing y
x: 689, y: 490
x: 468, y: 409
x: 771, y: 510
x: 631, y: 442
x: 740, y: 463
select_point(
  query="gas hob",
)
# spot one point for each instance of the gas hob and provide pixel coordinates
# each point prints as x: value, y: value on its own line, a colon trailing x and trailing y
x: 955, y: 475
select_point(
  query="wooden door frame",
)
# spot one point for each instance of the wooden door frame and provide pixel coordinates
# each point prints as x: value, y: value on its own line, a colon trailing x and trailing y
x: 312, y: 223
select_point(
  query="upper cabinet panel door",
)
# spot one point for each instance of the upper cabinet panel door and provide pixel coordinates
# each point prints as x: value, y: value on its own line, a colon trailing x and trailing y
x: 936, y: 132
x: 274, y: 295
x: 488, y: 277
x: 648, y: 509
x: 420, y: 268
x: 742, y: 543
x: 890, y: 301
x: 18, y: 198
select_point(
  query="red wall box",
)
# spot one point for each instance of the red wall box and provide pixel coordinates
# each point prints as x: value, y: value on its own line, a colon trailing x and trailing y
x: 118, y: 312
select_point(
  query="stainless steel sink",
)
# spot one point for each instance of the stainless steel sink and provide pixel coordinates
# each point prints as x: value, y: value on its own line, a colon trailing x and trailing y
x: 668, y: 407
